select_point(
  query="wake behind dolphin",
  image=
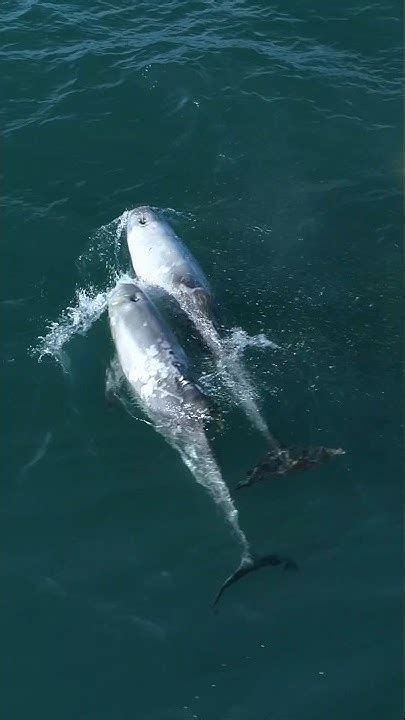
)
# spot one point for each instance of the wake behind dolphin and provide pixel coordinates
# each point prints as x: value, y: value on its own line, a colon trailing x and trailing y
x: 161, y: 260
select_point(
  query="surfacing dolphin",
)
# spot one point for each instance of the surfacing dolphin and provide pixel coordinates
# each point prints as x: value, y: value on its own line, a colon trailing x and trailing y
x: 156, y: 371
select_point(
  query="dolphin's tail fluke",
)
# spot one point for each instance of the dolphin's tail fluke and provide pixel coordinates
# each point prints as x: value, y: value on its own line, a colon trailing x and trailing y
x: 284, y: 460
x: 249, y: 565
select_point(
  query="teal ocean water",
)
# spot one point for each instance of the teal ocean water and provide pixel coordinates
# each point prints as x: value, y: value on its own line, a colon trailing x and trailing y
x: 269, y: 135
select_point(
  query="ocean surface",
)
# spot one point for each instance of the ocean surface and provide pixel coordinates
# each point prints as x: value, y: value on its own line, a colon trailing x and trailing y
x: 270, y: 137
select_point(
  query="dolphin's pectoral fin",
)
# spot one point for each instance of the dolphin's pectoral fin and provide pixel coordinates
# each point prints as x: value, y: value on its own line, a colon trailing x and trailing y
x: 200, y: 296
x: 202, y: 299
x: 249, y: 565
x: 284, y: 460
x: 187, y: 282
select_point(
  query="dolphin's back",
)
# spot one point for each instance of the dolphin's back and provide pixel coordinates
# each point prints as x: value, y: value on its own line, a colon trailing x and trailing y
x: 150, y: 356
x: 158, y: 255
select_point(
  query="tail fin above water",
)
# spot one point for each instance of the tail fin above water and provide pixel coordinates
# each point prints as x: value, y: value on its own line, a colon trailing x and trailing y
x: 249, y: 565
x: 284, y: 460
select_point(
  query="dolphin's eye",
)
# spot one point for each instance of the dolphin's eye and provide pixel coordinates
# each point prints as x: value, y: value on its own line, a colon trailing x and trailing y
x: 142, y: 220
x: 134, y: 298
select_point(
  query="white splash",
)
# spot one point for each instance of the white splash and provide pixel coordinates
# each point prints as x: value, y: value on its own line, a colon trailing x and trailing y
x: 101, y: 259
x: 75, y: 320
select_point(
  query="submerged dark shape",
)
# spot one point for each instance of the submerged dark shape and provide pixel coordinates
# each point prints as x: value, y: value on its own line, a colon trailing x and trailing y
x: 284, y: 460
x: 249, y: 565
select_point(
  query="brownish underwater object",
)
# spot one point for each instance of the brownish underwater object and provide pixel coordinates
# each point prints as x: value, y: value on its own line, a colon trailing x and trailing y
x: 285, y: 460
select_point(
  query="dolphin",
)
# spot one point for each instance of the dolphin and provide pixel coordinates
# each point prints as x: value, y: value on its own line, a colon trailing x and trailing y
x: 156, y: 371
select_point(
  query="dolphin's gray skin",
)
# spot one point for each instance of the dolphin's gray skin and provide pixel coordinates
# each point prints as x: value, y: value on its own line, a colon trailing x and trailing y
x: 161, y: 259
x: 151, y: 358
